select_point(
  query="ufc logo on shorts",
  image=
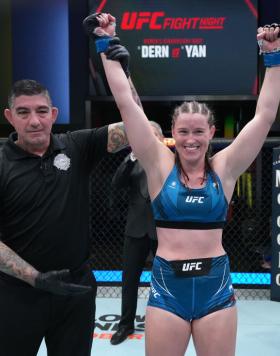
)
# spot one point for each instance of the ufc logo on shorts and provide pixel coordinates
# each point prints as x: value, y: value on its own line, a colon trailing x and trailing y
x: 155, y: 293
x: 194, y: 199
x: 190, y: 266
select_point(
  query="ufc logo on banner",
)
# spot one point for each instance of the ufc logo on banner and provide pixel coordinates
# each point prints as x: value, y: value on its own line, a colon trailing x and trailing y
x: 135, y: 20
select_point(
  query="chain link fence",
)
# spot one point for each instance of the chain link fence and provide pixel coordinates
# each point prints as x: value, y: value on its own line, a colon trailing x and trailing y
x: 246, y: 236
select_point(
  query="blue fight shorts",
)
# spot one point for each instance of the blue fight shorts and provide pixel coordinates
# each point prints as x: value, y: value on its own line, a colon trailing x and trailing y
x: 191, y: 289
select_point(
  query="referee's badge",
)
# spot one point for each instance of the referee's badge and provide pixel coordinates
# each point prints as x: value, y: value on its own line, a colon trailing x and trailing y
x: 61, y: 161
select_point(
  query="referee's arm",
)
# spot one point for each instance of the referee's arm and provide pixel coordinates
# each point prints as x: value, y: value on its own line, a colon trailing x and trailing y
x: 13, y: 265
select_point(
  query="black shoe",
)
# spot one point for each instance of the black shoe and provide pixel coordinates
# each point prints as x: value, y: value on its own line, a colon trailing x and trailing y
x: 121, y: 335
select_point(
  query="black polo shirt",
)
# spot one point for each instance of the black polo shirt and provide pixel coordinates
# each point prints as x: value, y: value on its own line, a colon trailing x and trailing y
x: 44, y: 201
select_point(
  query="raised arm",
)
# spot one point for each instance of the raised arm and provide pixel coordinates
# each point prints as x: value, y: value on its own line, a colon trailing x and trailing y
x: 140, y: 135
x: 244, y: 149
x: 137, y: 126
x: 117, y: 138
x: 117, y: 52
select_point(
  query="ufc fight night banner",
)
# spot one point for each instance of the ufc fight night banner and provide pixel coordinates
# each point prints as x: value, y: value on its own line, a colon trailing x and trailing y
x: 275, y: 238
x: 186, y: 47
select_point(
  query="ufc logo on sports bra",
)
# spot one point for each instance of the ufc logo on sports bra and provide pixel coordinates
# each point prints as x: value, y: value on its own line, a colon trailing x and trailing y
x: 193, y: 199
x: 192, y: 266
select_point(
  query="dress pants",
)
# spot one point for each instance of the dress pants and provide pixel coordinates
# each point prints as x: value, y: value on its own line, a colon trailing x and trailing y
x: 135, y: 253
x: 27, y: 315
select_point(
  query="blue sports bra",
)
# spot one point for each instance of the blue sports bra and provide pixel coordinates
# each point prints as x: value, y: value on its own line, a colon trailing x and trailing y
x: 179, y: 207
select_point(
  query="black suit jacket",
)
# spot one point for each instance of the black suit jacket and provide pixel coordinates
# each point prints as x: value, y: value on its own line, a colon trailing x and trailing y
x: 140, y: 219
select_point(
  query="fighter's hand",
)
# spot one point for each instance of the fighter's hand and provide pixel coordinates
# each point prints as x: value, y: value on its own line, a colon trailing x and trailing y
x: 58, y: 282
x: 99, y: 25
x: 268, y: 38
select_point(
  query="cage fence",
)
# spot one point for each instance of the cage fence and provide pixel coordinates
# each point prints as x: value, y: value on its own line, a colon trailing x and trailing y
x: 246, y: 237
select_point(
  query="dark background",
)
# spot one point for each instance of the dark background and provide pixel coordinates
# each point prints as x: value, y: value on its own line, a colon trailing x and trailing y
x: 44, y: 40
x: 228, y: 79
x: 230, y: 65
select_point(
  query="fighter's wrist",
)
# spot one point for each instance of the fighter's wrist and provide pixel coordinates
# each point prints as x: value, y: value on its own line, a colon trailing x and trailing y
x: 102, y: 44
x: 271, y: 59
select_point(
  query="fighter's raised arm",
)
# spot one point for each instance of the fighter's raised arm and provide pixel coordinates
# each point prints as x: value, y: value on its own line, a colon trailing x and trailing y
x: 251, y: 138
x: 140, y: 135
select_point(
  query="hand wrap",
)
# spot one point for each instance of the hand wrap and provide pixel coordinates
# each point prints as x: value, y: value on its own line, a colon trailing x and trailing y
x: 92, y: 28
x: 271, y: 58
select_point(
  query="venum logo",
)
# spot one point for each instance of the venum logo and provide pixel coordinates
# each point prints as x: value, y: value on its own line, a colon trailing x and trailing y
x: 190, y: 266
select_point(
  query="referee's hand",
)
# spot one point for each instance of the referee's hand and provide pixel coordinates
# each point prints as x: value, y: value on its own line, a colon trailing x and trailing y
x: 58, y: 282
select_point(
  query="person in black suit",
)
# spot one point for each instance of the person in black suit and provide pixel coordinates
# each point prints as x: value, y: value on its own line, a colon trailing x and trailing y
x: 140, y: 236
